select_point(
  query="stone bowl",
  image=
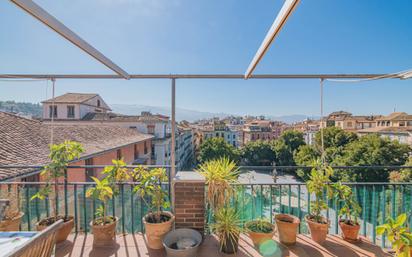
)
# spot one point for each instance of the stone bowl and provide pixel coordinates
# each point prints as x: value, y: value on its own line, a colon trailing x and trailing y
x: 182, y: 242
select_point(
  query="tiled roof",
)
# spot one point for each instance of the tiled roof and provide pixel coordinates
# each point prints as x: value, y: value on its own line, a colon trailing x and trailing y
x: 407, y: 129
x: 110, y: 116
x: 26, y: 141
x: 71, y: 98
x: 397, y: 116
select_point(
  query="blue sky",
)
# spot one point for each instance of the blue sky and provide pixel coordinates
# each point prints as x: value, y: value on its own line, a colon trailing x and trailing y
x: 211, y: 36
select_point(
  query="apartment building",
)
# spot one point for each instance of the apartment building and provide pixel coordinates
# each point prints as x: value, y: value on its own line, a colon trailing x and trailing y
x: 219, y: 129
x: 309, y: 128
x: 349, y: 122
x: 156, y: 125
x: 395, y: 126
x: 73, y: 106
x: 26, y: 142
x: 258, y: 130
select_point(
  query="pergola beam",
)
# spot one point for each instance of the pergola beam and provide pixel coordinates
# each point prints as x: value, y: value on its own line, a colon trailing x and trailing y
x: 283, y: 15
x: 198, y: 76
x: 42, y: 15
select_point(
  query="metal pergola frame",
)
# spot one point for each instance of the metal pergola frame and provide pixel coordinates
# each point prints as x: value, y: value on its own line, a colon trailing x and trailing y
x: 289, y: 6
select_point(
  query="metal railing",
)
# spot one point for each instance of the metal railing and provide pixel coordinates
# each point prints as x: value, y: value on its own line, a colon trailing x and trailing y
x: 72, y: 200
x: 377, y: 200
x: 256, y: 199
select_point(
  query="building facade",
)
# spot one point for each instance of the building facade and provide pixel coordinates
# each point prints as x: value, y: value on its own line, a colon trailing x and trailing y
x: 26, y: 142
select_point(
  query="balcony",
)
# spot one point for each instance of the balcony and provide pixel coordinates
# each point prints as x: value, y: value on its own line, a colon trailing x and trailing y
x: 257, y: 198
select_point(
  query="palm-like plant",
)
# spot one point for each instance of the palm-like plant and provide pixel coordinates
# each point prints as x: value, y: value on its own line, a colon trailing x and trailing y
x: 151, y: 185
x: 221, y: 176
x: 227, y: 227
x: 103, y: 192
x: 60, y: 155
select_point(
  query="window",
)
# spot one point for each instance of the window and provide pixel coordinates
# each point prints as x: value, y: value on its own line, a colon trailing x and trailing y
x: 89, y: 171
x: 119, y: 154
x: 151, y: 129
x: 53, y: 111
x: 98, y: 103
x: 349, y: 124
x: 70, y: 111
x: 136, y: 152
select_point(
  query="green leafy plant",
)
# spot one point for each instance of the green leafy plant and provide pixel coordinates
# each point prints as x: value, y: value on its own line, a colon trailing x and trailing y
x: 103, y: 192
x: 221, y: 177
x: 319, y: 180
x: 259, y: 226
x: 107, y: 188
x: 350, y: 210
x: 116, y: 173
x: 150, y: 186
x: 227, y: 226
x: 398, y: 234
x: 60, y: 155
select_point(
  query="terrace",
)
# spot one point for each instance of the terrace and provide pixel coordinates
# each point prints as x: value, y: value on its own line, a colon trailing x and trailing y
x: 256, y: 199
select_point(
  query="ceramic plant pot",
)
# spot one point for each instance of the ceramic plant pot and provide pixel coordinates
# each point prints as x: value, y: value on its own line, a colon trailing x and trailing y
x: 63, y: 231
x: 318, y: 231
x: 11, y: 224
x: 287, y: 228
x: 155, y: 232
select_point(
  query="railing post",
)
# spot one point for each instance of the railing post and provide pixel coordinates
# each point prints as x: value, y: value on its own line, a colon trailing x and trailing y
x: 190, y: 209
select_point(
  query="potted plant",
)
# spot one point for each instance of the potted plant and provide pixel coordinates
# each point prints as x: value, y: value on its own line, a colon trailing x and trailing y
x: 60, y: 156
x: 12, y: 214
x: 227, y: 227
x: 104, y: 226
x: 287, y: 228
x: 349, y: 212
x: 319, y: 180
x: 157, y: 221
x: 398, y: 234
x: 220, y: 177
x: 260, y: 230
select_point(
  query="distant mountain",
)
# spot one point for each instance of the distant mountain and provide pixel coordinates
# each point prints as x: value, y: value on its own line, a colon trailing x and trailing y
x: 35, y: 110
x: 292, y: 118
x: 31, y: 109
x: 181, y: 114
x: 191, y: 115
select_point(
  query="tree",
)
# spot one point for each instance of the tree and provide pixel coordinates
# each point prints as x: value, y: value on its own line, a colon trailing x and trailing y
x: 286, y: 145
x: 335, y: 140
x: 334, y: 137
x: 371, y: 150
x: 305, y: 156
x: 258, y: 153
x: 214, y: 148
x: 403, y: 175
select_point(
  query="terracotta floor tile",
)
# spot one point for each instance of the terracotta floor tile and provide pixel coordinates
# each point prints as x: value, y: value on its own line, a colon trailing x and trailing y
x: 135, y: 246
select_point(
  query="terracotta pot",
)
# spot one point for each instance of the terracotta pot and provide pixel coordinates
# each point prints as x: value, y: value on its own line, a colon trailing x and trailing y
x: 318, y: 231
x: 156, y: 231
x: 63, y: 231
x: 11, y: 225
x: 349, y: 232
x: 104, y: 234
x: 260, y: 237
x: 287, y: 228
x: 231, y: 246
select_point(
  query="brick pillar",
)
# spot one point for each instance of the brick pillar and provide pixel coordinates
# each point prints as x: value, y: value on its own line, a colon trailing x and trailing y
x: 190, y: 200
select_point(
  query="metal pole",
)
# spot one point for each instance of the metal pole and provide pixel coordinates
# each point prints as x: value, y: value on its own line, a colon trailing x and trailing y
x: 321, y: 122
x: 173, y: 145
